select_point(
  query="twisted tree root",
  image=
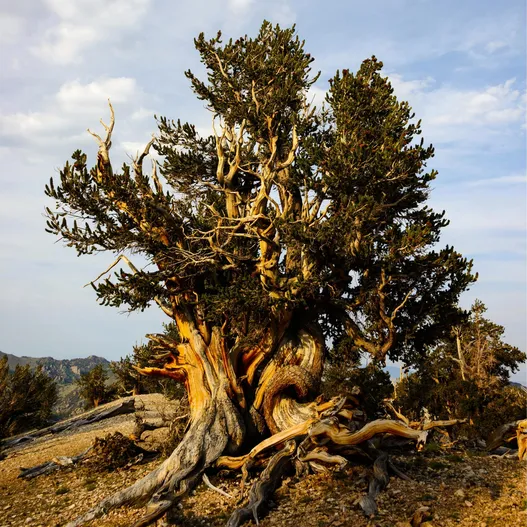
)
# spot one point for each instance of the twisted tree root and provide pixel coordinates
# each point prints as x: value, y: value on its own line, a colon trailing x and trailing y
x: 265, y: 486
x: 208, y: 438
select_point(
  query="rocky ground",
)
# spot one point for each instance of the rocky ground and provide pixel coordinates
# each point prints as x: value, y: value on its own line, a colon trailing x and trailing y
x: 446, y: 488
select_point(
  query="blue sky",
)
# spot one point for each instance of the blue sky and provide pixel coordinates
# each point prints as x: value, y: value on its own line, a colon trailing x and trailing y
x: 461, y: 65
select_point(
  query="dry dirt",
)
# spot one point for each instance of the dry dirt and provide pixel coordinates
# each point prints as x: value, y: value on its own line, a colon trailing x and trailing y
x: 458, y: 488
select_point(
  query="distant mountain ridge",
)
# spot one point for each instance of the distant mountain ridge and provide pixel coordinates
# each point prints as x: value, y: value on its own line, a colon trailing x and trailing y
x: 63, y: 371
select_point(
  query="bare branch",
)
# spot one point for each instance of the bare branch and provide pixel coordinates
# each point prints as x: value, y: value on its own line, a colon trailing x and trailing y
x: 108, y: 128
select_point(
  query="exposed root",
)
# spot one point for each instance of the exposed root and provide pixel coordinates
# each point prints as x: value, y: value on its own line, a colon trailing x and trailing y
x: 341, y: 435
x: 324, y: 457
x: 206, y: 439
x: 218, y: 426
x: 207, y: 482
x: 264, y: 487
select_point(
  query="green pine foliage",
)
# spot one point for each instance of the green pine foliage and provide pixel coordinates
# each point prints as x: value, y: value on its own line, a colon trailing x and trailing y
x: 129, y: 381
x: 27, y: 397
x: 94, y: 388
x: 467, y: 376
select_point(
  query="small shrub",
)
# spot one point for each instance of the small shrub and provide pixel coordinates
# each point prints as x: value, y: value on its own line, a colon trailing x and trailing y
x: 455, y: 458
x: 114, y: 451
x: 432, y: 448
x: 27, y: 397
x: 93, y: 388
x: 62, y: 490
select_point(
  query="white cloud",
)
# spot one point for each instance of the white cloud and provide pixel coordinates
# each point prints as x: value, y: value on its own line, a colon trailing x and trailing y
x: 142, y: 113
x: 511, y: 179
x: 405, y: 89
x: 73, y: 101
x: 10, y: 27
x: 75, y: 96
x: 82, y: 23
x: 316, y: 96
x: 493, y: 105
x: 479, y: 117
x: 495, y: 45
x: 239, y: 6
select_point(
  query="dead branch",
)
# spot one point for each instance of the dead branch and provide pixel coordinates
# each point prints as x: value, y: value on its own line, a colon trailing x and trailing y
x: 378, y: 482
x: 126, y: 407
x: 134, y: 269
x: 54, y: 465
x: 207, y: 482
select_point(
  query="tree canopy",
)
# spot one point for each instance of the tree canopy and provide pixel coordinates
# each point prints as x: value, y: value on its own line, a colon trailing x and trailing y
x: 93, y: 388
x: 285, y: 211
x: 467, y: 375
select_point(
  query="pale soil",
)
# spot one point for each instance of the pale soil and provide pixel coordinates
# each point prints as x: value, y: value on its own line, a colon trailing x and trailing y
x: 460, y: 489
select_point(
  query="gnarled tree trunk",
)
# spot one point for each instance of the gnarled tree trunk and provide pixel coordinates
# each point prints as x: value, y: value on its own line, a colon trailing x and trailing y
x: 235, y: 398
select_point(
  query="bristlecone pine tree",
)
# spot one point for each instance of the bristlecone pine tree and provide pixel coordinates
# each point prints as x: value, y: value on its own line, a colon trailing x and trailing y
x: 286, y: 228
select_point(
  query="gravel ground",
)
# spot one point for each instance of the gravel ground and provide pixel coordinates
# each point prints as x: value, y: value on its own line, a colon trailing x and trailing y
x: 458, y: 488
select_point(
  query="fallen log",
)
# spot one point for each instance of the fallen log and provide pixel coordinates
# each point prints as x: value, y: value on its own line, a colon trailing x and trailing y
x: 54, y: 465
x: 503, y: 434
x: 126, y: 407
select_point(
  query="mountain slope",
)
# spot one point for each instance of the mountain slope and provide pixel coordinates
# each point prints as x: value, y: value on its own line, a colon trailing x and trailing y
x: 64, y: 371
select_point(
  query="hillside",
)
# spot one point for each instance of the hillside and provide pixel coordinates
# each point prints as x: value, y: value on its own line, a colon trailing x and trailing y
x: 449, y: 487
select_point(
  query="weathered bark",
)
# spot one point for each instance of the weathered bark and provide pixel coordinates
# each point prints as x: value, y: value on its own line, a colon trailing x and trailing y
x: 217, y: 412
x: 126, y: 407
x: 54, y: 465
x: 206, y: 439
x: 267, y: 483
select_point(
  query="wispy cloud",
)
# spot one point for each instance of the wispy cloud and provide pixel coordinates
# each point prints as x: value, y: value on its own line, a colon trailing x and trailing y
x: 470, y: 118
x: 239, y: 6
x: 84, y: 23
x: 512, y: 179
x: 10, y: 27
x: 73, y: 106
